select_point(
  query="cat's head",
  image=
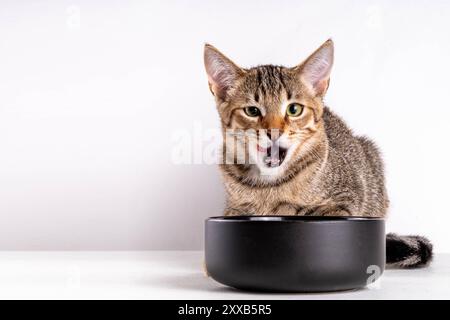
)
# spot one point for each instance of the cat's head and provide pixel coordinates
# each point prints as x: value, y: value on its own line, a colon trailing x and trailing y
x: 274, y: 112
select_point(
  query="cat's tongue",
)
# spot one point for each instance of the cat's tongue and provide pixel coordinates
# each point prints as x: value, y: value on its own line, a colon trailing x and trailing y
x: 261, y: 149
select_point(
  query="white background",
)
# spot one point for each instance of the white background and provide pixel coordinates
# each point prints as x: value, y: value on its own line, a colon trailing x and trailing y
x: 91, y: 94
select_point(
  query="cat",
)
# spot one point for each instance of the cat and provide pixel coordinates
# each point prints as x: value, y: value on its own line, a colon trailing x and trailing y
x: 299, y: 157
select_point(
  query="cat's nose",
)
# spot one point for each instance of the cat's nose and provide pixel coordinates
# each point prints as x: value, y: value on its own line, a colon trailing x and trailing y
x: 274, y: 134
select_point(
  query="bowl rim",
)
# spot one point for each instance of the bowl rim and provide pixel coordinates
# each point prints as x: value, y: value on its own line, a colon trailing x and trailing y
x: 285, y: 218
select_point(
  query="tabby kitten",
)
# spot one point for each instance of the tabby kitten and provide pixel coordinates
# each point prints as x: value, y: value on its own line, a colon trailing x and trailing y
x: 299, y: 157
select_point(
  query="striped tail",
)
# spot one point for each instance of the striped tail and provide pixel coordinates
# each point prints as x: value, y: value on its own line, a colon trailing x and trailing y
x: 408, y: 251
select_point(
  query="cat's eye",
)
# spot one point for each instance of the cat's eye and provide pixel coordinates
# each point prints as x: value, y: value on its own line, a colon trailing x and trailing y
x: 294, y: 109
x: 252, y: 111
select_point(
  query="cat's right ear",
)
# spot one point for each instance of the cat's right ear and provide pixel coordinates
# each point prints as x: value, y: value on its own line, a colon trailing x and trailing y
x: 222, y: 72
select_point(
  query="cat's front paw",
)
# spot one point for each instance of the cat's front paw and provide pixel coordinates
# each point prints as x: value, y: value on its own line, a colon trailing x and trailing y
x: 337, y: 213
x: 331, y: 211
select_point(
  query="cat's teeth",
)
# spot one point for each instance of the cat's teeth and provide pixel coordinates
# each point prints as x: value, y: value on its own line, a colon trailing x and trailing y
x: 272, y: 161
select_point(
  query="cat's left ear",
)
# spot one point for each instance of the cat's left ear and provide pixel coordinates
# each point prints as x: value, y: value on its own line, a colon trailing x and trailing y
x: 315, y: 71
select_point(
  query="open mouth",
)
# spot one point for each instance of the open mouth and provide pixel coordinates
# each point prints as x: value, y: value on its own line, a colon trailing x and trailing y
x: 275, y: 156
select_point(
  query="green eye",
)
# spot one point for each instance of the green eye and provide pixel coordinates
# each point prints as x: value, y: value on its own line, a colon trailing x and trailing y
x: 252, y: 111
x: 294, y: 110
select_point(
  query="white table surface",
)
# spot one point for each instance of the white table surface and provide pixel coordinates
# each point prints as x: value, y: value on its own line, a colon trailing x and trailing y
x: 176, y: 275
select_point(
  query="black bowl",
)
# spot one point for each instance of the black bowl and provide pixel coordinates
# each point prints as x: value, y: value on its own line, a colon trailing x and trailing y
x: 294, y: 253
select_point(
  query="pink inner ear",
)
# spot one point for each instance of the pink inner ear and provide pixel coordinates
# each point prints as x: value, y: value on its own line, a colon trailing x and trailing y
x: 321, y: 86
x: 219, y: 77
x: 316, y: 70
x: 317, y: 73
x: 221, y: 73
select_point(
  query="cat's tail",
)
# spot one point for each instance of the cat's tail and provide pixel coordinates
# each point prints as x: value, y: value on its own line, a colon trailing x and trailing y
x: 408, y: 251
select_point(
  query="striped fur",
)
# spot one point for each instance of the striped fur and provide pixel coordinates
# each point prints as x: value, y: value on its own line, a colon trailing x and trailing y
x: 408, y: 251
x: 327, y: 169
